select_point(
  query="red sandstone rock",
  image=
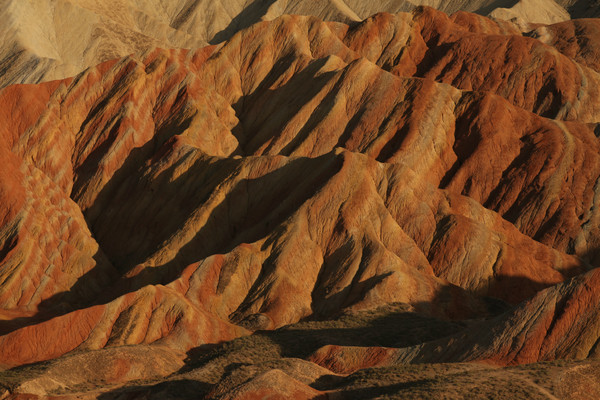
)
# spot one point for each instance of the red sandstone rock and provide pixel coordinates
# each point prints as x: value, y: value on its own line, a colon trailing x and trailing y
x: 558, y: 323
x: 299, y: 170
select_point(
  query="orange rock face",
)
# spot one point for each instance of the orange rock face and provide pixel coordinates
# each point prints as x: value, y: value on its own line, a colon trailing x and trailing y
x: 558, y: 323
x: 305, y: 169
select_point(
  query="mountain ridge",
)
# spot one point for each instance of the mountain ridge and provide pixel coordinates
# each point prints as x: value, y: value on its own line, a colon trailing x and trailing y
x: 312, y: 203
x: 42, y: 46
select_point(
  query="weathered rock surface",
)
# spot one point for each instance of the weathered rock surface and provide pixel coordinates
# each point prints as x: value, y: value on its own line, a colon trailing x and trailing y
x: 98, y: 368
x: 169, y: 205
x: 54, y: 39
x: 575, y: 39
x: 558, y: 323
x: 303, y: 170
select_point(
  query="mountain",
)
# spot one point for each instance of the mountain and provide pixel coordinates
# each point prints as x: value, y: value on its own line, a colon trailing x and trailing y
x: 312, y: 207
x: 54, y: 39
x: 558, y: 323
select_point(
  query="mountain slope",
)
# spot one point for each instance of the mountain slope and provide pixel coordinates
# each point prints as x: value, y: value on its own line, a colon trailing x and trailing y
x: 123, y: 135
x: 412, y: 172
x: 558, y: 323
x: 46, y: 40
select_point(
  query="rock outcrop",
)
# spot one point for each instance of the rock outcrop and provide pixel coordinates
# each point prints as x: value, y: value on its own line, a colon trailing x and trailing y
x: 559, y: 323
x: 182, y: 164
x: 302, y: 170
x: 54, y: 39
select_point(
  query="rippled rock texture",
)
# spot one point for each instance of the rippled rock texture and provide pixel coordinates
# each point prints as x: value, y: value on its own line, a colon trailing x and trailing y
x: 306, y: 202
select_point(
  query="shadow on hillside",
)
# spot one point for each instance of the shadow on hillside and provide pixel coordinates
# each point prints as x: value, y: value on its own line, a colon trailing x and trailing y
x: 220, y: 231
x: 397, y: 327
x: 223, y: 231
x: 83, y: 293
x: 493, y: 4
x: 390, y: 326
x: 265, y: 112
x: 175, y: 389
x: 259, y: 199
x: 249, y: 16
x: 393, y: 326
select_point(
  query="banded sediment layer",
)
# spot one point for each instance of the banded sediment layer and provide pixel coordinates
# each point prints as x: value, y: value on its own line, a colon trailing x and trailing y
x: 312, y: 203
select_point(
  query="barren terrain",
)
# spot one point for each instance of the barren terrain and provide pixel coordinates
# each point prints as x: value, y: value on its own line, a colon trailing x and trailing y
x: 275, y: 198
